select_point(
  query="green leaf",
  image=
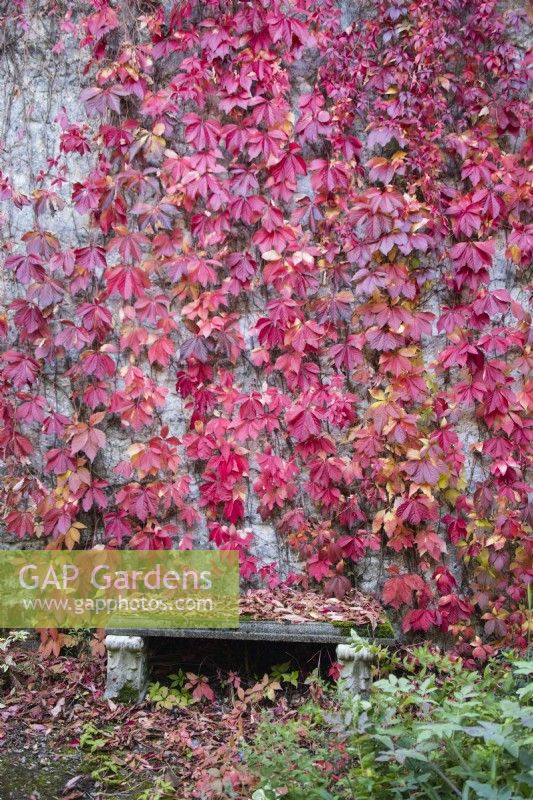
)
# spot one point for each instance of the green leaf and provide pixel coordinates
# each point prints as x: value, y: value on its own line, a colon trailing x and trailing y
x: 485, y: 791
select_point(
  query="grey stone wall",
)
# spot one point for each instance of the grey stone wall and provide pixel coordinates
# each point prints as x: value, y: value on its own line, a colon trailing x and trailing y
x: 39, y: 80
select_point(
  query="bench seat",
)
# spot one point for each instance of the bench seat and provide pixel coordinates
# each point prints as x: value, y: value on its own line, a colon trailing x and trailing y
x: 127, y: 665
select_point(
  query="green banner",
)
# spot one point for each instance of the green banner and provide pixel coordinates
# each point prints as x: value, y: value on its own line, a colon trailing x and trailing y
x: 119, y: 589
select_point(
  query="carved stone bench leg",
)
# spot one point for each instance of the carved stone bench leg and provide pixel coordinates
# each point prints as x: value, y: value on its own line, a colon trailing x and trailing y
x: 127, y: 668
x: 356, y: 672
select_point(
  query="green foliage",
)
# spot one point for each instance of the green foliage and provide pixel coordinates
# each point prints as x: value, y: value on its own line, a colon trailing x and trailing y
x: 92, y: 738
x: 359, y: 643
x: 161, y: 790
x: 101, y: 763
x: 175, y: 696
x: 435, y: 731
x: 284, y: 674
x: 523, y: 669
x: 420, y: 740
x: 290, y: 758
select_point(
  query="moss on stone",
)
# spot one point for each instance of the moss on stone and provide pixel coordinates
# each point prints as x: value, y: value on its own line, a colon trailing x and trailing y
x: 346, y: 626
x: 128, y: 694
x: 383, y: 630
x: 42, y: 773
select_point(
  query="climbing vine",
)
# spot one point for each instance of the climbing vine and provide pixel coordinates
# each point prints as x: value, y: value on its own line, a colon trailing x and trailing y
x: 302, y: 295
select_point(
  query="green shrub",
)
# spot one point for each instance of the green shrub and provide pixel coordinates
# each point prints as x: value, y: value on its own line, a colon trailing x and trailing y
x: 296, y: 760
x: 435, y: 732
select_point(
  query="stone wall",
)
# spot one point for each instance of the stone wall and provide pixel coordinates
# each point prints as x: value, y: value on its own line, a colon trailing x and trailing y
x: 40, y: 80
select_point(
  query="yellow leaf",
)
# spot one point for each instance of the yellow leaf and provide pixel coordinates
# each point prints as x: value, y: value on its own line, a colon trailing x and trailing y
x: 399, y: 155
x: 391, y: 523
x: 443, y: 481
x: 378, y: 521
x: 72, y: 537
x: 451, y: 495
x: 288, y: 123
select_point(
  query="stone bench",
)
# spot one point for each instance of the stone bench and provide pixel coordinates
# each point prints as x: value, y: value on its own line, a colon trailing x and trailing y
x: 127, y: 650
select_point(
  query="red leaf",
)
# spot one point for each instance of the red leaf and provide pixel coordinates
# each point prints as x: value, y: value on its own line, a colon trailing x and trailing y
x: 303, y: 424
x: 337, y: 587
x: 399, y: 590
x: 421, y: 619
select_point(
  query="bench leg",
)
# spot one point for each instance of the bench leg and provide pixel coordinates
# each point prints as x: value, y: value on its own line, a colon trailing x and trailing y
x: 356, y: 669
x: 127, y: 668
